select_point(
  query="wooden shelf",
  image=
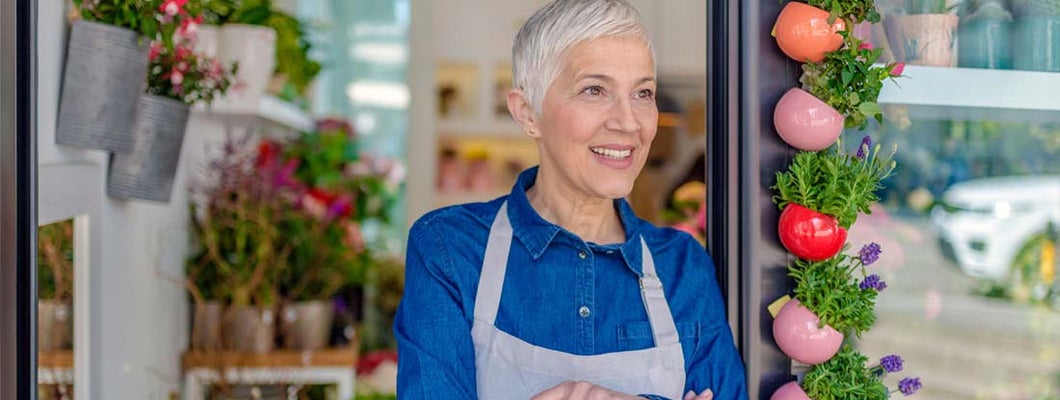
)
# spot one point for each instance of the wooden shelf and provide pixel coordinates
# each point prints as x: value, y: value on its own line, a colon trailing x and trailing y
x: 333, y: 357
x: 56, y: 359
x: 975, y: 94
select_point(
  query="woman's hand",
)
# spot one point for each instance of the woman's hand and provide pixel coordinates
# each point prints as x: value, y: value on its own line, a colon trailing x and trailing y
x: 581, y: 390
x: 706, y: 395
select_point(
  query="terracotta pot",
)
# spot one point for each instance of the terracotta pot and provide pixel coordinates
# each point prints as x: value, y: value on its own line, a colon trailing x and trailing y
x: 923, y: 39
x: 798, y: 334
x: 809, y: 234
x: 804, y: 34
x: 805, y: 122
x: 790, y: 391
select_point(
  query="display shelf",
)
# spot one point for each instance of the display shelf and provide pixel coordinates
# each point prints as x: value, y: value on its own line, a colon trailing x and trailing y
x: 972, y: 94
x: 268, y: 109
x: 326, y: 366
x: 55, y: 367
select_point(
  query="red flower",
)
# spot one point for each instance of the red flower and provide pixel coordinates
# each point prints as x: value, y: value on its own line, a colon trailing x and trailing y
x: 173, y: 7
x: 268, y: 152
x: 155, y: 51
x: 189, y: 28
x: 865, y: 46
x: 897, y: 69
x: 176, y: 77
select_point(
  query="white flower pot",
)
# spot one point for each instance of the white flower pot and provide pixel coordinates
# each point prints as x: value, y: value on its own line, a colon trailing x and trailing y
x: 254, y: 49
x: 208, y: 40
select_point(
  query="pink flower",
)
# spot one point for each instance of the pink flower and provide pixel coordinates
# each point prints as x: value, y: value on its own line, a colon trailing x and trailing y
x: 172, y: 7
x: 176, y: 78
x: 154, y: 51
x: 865, y: 46
x: 189, y: 29
x: 182, y: 66
x: 897, y: 69
x: 701, y: 217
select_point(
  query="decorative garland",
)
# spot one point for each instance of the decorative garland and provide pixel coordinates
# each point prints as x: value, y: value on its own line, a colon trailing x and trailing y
x: 822, y: 193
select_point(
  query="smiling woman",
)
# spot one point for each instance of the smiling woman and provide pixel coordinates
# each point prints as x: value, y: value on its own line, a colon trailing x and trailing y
x: 557, y: 290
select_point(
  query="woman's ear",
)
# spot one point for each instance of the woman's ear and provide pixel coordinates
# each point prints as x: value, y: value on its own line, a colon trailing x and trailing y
x: 523, y: 113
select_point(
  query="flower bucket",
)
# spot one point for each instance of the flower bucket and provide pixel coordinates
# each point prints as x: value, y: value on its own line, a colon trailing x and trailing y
x: 105, y: 72
x: 809, y: 234
x: 306, y: 325
x: 923, y: 39
x: 985, y: 43
x: 148, y: 172
x: 206, y: 326
x: 249, y: 329
x: 805, y: 122
x: 253, y: 48
x: 55, y: 325
x: 798, y: 334
x: 1036, y: 43
x: 790, y: 391
x: 804, y: 34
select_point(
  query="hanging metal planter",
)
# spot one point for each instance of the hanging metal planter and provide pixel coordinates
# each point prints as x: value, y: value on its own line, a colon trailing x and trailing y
x: 147, y: 173
x: 106, y: 67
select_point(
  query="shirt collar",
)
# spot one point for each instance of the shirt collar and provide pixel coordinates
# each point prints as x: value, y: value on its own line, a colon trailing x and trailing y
x: 537, y: 234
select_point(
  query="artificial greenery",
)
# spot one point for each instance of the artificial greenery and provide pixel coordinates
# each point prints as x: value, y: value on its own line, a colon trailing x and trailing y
x: 843, y: 377
x: 849, y: 80
x: 854, y: 11
x: 55, y: 260
x: 833, y: 182
x: 137, y: 15
x: 828, y: 289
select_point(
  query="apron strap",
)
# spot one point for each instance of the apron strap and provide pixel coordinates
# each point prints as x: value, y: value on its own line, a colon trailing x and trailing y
x: 494, y: 265
x: 651, y: 289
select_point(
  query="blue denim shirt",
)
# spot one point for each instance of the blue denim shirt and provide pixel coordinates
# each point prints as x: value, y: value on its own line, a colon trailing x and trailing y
x: 552, y: 274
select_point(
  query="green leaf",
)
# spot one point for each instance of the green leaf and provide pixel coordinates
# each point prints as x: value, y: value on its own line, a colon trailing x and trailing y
x: 870, y: 109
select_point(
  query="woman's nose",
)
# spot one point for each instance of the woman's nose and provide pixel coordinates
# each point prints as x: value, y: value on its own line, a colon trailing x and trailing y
x: 622, y: 117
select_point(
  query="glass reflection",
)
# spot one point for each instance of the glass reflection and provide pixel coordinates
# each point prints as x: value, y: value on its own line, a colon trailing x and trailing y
x: 55, y: 319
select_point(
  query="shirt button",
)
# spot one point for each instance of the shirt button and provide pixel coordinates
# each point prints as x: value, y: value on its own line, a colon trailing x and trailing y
x: 584, y: 311
x: 610, y: 252
x: 581, y: 255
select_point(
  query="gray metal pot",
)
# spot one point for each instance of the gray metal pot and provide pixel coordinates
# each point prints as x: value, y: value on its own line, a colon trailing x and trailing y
x: 249, y: 329
x: 148, y: 172
x: 105, y: 72
x: 55, y: 325
x: 206, y: 326
x: 306, y: 325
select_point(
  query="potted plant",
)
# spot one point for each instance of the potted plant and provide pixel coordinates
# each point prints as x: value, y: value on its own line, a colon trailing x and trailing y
x: 805, y: 33
x: 1036, y: 35
x: 847, y: 376
x: 177, y: 79
x: 55, y: 284
x: 924, y: 34
x: 829, y: 305
x: 106, y: 58
x: 240, y: 248
x: 822, y: 193
x: 984, y: 35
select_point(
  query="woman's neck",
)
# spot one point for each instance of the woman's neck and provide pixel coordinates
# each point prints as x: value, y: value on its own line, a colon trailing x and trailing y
x: 593, y: 219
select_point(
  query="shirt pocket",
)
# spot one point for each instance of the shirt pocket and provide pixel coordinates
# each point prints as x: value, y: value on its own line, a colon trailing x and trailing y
x: 638, y: 335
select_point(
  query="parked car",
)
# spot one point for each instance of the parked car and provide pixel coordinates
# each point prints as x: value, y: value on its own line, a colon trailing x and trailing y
x: 984, y: 223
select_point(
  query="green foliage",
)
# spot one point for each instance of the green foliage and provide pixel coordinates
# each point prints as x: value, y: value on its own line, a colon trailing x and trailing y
x: 321, y: 260
x: 844, y: 377
x: 849, y: 81
x: 138, y: 15
x: 828, y: 289
x: 55, y: 260
x: 833, y: 182
x: 849, y: 10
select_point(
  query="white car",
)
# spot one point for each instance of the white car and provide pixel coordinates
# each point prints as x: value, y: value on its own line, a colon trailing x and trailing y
x: 983, y: 223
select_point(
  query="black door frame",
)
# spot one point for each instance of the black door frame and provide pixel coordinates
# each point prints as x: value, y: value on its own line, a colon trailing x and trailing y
x: 746, y: 74
x: 18, y: 203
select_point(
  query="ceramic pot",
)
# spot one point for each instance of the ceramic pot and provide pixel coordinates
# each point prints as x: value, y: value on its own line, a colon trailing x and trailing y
x: 985, y: 43
x: 106, y: 67
x: 206, y: 326
x: 798, y: 333
x: 804, y: 34
x: 809, y: 234
x: 923, y: 39
x: 253, y: 49
x: 249, y: 329
x: 790, y: 391
x: 306, y: 325
x: 805, y: 122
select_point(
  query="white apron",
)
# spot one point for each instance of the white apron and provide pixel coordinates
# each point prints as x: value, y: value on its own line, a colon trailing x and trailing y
x: 509, y: 368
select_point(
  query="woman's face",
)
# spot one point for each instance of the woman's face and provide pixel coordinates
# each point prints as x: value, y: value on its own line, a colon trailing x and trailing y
x: 598, y: 117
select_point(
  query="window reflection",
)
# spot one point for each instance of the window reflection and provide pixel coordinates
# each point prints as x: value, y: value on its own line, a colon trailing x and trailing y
x: 55, y: 319
x: 969, y: 231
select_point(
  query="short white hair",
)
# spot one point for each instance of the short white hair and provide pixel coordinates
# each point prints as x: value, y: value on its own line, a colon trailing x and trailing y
x: 547, y: 36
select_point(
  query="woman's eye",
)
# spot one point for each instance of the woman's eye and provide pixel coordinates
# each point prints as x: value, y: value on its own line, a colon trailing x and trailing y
x: 593, y: 90
x: 646, y: 94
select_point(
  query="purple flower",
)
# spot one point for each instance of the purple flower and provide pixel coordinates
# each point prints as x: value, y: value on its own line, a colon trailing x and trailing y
x: 869, y: 253
x: 863, y: 148
x: 873, y: 282
x: 908, y: 386
x: 891, y: 363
